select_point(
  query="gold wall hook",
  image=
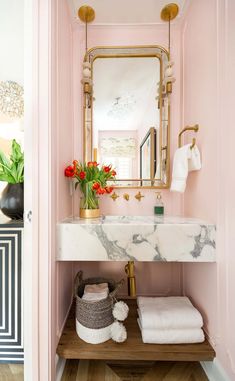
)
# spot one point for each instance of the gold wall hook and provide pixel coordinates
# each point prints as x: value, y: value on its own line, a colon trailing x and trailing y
x: 114, y: 196
x: 138, y: 196
x: 126, y: 196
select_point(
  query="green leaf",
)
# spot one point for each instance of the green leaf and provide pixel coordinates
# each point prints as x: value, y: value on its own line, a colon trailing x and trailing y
x: 7, y: 177
x: 4, y: 160
x: 20, y: 172
x: 16, y: 154
x: 12, y: 171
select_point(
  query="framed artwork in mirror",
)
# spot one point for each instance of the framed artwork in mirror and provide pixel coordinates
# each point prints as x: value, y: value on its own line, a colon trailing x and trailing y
x: 148, y: 158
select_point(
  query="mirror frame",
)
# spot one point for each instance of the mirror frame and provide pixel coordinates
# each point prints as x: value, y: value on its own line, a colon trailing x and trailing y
x: 121, y: 52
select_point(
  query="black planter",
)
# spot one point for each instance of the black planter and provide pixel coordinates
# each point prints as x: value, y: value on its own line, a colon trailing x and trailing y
x: 12, y: 201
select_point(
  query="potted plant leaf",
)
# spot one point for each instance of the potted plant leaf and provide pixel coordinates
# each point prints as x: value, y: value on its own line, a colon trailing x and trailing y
x: 12, y: 172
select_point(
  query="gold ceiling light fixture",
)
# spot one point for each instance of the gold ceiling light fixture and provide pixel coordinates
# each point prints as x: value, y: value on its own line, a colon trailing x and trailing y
x: 86, y: 14
x: 169, y: 13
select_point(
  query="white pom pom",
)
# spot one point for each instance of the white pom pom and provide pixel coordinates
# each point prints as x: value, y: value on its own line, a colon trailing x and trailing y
x: 118, y: 332
x: 120, y: 311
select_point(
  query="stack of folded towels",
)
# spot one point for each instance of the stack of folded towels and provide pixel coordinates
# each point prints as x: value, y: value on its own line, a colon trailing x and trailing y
x: 95, y: 292
x: 169, y: 320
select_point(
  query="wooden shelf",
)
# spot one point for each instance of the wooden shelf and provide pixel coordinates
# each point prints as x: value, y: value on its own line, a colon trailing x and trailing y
x: 72, y: 347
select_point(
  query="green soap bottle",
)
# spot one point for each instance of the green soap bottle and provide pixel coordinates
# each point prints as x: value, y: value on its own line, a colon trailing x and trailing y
x: 159, y: 207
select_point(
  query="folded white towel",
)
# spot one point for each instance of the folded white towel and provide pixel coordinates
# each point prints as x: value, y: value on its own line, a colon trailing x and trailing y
x: 173, y: 312
x: 185, y: 160
x: 93, y: 288
x: 93, y: 297
x: 94, y: 292
x: 172, y: 336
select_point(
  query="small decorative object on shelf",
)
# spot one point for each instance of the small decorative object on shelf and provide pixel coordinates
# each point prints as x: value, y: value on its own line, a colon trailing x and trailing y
x: 12, y: 172
x: 93, y: 182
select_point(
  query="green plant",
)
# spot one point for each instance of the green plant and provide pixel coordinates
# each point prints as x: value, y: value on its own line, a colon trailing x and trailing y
x: 12, y: 169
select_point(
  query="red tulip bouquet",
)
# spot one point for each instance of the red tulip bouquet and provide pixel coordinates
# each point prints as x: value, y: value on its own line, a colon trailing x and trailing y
x: 92, y: 181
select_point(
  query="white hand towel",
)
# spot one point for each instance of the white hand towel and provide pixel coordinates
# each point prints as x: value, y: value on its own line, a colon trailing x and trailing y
x: 185, y: 160
x: 94, y: 292
x: 194, y: 163
x: 174, y: 312
x: 172, y: 336
x: 93, y: 288
x: 93, y: 297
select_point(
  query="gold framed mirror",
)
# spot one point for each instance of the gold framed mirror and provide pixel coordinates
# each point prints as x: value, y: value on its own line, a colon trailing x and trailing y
x: 127, y: 114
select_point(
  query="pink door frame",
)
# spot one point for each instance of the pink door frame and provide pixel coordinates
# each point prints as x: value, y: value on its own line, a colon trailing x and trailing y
x: 39, y: 260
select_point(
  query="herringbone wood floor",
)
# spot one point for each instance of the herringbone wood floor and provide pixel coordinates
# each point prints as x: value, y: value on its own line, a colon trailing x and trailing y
x: 85, y: 370
x: 117, y: 371
x: 11, y: 372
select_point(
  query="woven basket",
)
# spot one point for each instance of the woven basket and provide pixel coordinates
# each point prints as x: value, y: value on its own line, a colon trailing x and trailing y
x: 94, y: 318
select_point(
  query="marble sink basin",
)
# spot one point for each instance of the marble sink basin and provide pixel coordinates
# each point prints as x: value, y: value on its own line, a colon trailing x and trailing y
x: 139, y: 238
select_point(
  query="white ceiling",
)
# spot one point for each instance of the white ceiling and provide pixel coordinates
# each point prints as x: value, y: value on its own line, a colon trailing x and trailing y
x: 126, y: 11
x: 135, y: 78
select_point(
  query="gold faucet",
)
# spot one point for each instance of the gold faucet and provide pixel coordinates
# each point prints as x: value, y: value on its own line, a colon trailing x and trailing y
x: 114, y: 196
x: 130, y: 271
x: 126, y: 196
x: 138, y: 196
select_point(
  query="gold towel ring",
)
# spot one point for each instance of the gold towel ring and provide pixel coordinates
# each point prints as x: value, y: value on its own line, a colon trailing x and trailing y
x: 188, y: 128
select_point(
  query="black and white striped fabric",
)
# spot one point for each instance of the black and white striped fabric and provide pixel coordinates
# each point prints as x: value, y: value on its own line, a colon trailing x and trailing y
x: 11, y: 296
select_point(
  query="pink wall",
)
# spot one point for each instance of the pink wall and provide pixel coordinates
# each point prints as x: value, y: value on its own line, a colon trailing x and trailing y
x: 161, y: 278
x: 64, y: 154
x: 208, y: 41
x: 152, y: 278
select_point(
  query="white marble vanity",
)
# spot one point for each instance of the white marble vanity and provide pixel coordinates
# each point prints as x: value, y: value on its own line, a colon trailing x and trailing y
x: 138, y: 238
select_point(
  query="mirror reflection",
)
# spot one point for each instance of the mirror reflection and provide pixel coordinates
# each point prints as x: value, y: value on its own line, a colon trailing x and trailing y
x: 126, y: 118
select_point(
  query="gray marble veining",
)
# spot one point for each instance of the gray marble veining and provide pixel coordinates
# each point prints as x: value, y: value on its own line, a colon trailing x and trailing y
x: 139, y: 238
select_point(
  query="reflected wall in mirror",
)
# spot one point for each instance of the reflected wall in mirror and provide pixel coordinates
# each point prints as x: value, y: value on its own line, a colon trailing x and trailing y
x: 126, y: 114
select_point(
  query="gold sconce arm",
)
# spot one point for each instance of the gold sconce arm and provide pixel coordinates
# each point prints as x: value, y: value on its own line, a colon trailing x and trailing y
x: 138, y: 196
x: 194, y: 128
